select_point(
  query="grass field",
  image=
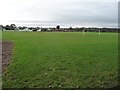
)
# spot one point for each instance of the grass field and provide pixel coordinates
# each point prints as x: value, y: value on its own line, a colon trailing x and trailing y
x: 62, y: 59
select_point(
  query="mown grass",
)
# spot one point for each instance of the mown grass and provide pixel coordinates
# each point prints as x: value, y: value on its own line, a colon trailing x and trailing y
x: 62, y: 59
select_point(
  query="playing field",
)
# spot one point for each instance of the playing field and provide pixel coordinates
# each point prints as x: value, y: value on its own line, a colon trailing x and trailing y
x: 62, y: 59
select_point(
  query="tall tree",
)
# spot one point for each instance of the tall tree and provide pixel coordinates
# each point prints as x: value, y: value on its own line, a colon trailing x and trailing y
x: 58, y: 27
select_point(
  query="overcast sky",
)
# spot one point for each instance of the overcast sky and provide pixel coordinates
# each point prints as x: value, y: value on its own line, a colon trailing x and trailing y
x: 76, y: 13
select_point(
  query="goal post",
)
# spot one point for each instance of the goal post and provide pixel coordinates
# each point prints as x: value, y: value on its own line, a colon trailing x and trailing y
x: 83, y: 32
x: 99, y: 32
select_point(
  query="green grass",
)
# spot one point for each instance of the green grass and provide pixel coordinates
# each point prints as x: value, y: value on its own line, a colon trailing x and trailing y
x: 62, y: 59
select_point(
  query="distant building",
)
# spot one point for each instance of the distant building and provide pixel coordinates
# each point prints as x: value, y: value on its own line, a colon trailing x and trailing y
x: 26, y: 29
x: 39, y: 30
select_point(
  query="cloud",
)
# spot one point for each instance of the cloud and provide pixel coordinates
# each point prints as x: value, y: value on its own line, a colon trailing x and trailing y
x: 102, y: 13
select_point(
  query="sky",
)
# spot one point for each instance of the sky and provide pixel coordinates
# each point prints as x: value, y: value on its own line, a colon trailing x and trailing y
x: 66, y: 13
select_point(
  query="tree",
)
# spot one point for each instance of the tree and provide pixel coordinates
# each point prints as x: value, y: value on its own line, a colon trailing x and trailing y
x: 11, y: 27
x: 7, y: 27
x: 44, y: 29
x: 58, y: 27
x: 70, y: 28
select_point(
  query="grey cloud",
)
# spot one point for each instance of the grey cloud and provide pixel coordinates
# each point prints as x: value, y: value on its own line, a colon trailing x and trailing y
x: 73, y: 13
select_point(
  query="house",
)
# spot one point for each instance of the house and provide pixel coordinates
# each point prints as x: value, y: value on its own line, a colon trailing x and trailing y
x: 26, y: 29
x: 39, y: 30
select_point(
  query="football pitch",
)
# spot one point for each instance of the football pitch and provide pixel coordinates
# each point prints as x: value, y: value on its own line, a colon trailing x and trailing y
x: 62, y: 59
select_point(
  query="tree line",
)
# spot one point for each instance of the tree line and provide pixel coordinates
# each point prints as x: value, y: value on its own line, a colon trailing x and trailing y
x: 58, y: 29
